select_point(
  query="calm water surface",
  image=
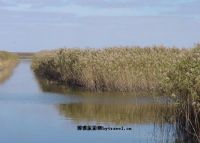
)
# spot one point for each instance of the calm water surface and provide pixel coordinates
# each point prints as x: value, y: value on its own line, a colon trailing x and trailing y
x: 33, y: 112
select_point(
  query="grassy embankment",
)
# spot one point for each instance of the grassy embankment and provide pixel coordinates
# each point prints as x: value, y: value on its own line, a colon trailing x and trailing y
x: 175, y: 71
x: 7, y: 62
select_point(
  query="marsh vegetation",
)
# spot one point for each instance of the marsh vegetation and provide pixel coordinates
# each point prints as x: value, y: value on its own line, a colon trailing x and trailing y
x: 183, y: 83
x: 7, y: 62
x: 112, y: 69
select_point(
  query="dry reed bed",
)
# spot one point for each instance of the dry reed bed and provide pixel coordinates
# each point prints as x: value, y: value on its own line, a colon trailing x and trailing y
x: 111, y: 69
x: 183, y: 83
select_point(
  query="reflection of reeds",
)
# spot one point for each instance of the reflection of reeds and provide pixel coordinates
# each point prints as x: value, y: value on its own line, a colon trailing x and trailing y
x: 119, y: 113
x: 112, y: 69
x: 7, y: 63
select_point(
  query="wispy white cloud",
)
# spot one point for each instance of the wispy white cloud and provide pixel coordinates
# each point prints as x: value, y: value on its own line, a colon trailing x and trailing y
x: 106, y: 7
x: 84, y: 10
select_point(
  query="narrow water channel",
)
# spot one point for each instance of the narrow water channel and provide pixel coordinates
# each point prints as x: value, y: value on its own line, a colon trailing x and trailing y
x: 32, y: 112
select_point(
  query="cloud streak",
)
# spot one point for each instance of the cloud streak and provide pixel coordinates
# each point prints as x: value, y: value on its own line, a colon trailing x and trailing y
x: 106, y: 7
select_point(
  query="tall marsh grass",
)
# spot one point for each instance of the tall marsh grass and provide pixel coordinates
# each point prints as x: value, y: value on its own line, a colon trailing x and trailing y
x: 183, y: 83
x: 111, y: 69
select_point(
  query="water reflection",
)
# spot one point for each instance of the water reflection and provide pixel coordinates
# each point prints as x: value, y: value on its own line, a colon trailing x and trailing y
x: 113, y: 107
x: 119, y: 113
x: 147, y: 112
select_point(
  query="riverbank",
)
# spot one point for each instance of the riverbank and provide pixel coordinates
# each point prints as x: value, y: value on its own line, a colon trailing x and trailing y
x: 7, y: 62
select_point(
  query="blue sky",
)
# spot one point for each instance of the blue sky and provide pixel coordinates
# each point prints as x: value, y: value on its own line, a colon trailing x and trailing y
x: 34, y: 25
